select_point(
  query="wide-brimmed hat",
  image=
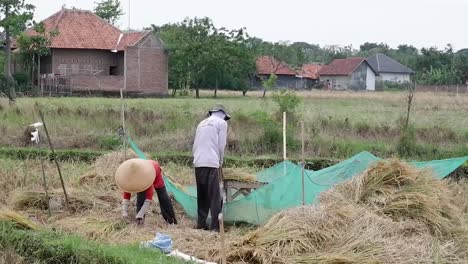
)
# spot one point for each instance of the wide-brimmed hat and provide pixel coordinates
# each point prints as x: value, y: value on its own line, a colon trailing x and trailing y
x: 135, y: 175
x: 220, y: 107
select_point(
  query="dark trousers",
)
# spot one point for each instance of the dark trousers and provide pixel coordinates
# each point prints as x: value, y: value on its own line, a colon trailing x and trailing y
x: 165, y: 204
x: 208, y: 196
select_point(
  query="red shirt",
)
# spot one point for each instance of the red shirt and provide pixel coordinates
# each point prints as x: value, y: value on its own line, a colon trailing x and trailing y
x: 158, y: 183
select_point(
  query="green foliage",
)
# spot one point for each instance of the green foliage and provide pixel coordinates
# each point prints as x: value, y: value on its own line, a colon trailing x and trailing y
x: 21, y: 78
x: 109, y: 10
x: 17, y: 14
x: 390, y: 86
x: 270, y: 83
x: 110, y: 143
x: 201, y: 55
x: 61, y: 154
x: 287, y: 100
x: 407, y: 145
x: 56, y: 247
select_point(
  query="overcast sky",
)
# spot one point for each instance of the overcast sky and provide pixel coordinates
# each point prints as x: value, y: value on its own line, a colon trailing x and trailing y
x: 422, y: 23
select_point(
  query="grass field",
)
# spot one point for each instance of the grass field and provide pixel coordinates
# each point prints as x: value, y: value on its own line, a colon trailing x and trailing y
x: 338, y: 124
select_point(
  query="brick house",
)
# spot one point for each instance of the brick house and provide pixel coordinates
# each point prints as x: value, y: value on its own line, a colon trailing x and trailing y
x: 287, y: 77
x: 92, y: 56
x: 310, y: 75
x: 351, y: 73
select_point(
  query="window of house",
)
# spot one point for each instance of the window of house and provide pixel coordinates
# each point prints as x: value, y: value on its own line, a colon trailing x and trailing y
x: 113, y: 70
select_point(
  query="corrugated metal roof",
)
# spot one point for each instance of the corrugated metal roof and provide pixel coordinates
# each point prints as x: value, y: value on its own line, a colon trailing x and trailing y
x: 381, y: 63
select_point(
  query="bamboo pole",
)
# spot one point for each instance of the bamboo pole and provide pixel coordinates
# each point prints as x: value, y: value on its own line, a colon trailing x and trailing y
x: 284, y: 135
x: 54, y: 157
x: 44, y: 183
x: 284, y: 144
x: 303, y: 161
x: 122, y: 116
x: 221, y: 232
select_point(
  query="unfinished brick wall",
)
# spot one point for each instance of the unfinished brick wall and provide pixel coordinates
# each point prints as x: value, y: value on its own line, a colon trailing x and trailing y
x: 82, y: 61
x: 147, y: 70
x: 96, y: 83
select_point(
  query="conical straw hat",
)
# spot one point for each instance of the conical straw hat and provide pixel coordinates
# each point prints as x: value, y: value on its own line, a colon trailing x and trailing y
x: 135, y: 175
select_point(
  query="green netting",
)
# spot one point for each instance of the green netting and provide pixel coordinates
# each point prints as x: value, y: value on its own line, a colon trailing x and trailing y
x: 284, y: 188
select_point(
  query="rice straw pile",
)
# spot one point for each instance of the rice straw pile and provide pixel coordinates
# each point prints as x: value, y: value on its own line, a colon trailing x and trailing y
x: 238, y: 174
x: 392, y: 213
x: 78, y: 200
x: 104, y: 168
x: 17, y: 219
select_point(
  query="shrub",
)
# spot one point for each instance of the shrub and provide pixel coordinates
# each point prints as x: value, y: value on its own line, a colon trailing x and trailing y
x: 407, y: 146
x: 109, y: 143
x: 288, y: 101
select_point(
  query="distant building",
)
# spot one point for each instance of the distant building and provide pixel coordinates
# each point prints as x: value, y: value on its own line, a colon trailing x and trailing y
x: 350, y: 73
x: 310, y: 75
x: 287, y: 77
x: 388, y: 69
x: 90, y: 55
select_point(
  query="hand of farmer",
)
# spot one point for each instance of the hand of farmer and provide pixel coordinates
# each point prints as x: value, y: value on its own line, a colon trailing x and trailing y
x: 125, y: 204
x: 144, y: 208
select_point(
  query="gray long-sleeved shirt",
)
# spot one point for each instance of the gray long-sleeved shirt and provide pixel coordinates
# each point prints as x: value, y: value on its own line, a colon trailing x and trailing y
x: 210, y: 141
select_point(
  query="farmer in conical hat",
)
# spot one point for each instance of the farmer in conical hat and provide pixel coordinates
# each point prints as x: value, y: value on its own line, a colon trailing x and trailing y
x: 143, y: 177
x: 208, y: 155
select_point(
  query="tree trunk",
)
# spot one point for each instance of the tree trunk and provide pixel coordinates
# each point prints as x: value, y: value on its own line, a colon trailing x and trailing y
x: 38, y: 72
x: 216, y: 88
x: 244, y: 92
x: 264, y: 93
x: 197, y: 92
x: 8, y: 75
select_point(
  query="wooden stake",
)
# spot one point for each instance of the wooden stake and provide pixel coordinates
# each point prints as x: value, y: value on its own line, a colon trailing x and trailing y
x: 284, y: 135
x: 303, y: 162
x: 54, y: 157
x: 221, y: 233
x: 44, y: 183
x: 122, y: 116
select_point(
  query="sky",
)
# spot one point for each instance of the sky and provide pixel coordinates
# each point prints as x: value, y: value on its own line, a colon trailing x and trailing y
x: 422, y: 23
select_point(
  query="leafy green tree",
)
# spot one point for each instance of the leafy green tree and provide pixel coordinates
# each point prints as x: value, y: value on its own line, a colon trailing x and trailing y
x: 269, y: 84
x: 109, y: 10
x: 33, y: 47
x: 201, y: 55
x: 14, y: 17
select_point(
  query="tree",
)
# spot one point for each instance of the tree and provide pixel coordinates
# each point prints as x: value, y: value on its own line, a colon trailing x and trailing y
x: 14, y: 17
x: 269, y: 84
x: 34, y: 46
x: 109, y: 10
x: 201, y: 55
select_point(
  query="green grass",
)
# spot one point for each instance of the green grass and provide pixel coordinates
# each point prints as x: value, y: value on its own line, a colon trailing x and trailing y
x: 55, y: 248
x: 337, y: 124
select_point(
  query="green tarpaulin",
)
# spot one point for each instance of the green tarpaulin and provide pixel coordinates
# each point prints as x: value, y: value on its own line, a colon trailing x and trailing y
x: 284, y: 188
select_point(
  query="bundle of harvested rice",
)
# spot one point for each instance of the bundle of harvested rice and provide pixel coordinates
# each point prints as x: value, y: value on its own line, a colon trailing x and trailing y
x: 238, y: 174
x: 392, y: 213
x: 107, y: 164
x: 78, y: 200
x: 400, y: 191
x: 17, y: 219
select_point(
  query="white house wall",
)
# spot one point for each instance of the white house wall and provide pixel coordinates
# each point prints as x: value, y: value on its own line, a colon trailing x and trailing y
x: 370, y: 80
x: 394, y: 77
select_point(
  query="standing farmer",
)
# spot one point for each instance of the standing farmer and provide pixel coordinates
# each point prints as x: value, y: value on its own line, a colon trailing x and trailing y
x: 143, y: 177
x: 208, y: 154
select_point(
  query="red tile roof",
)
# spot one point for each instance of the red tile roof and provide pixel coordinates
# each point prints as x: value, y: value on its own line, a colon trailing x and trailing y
x: 82, y: 29
x: 310, y: 71
x: 341, y: 66
x: 268, y: 65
